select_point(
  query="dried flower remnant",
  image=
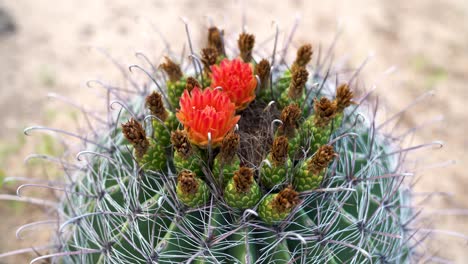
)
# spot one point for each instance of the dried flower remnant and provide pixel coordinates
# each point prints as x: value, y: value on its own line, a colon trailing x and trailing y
x: 344, y: 97
x: 215, y: 39
x: 181, y: 143
x: 246, y: 43
x: 188, y: 183
x: 191, y: 83
x: 172, y: 70
x: 209, y: 57
x: 155, y: 104
x: 262, y: 69
x: 135, y: 134
x: 303, y: 57
x: 243, y: 179
x: 279, y: 150
x: 229, y: 147
x: 290, y: 118
x: 298, y: 81
x: 325, y: 111
x: 321, y: 159
x: 286, y: 200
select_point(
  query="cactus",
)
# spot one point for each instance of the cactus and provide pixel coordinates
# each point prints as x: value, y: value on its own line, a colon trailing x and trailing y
x: 203, y: 176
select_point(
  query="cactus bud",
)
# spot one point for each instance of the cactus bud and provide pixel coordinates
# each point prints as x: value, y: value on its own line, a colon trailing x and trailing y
x: 242, y: 191
x: 276, y: 207
x: 172, y: 70
x: 135, y: 134
x: 298, y: 81
x: 156, y: 106
x: 276, y: 174
x: 310, y: 175
x: 191, y: 190
x: 246, y: 43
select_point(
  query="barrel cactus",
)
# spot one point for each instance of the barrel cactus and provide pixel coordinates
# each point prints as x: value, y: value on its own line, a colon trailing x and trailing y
x: 236, y: 158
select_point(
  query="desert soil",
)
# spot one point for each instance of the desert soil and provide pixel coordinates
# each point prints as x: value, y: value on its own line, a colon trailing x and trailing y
x: 51, y: 46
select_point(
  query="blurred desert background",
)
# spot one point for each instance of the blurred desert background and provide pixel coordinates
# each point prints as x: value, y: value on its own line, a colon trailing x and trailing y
x: 50, y: 46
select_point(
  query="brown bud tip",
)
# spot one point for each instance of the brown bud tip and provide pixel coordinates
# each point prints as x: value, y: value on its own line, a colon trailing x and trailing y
x: 155, y: 104
x: 262, y: 69
x: 181, y: 143
x: 215, y: 39
x: 135, y: 134
x: 209, y: 57
x: 344, y: 97
x: 279, y: 150
x: 286, y: 199
x: 192, y: 83
x: 229, y: 147
x: 321, y: 159
x: 243, y: 179
x: 304, y: 55
x: 298, y: 80
x: 172, y: 70
x: 325, y: 110
x: 187, y: 182
x: 290, y: 117
x: 246, y: 43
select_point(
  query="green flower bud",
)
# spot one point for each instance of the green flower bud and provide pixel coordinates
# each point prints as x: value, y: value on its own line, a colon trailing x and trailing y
x: 276, y: 207
x: 242, y: 191
x: 191, y: 190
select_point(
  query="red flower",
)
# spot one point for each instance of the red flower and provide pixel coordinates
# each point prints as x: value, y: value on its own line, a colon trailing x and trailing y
x: 237, y: 80
x: 207, y: 111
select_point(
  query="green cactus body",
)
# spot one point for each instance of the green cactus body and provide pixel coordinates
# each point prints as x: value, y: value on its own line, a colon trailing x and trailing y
x: 242, y: 200
x: 228, y: 169
x: 283, y: 83
x: 175, y: 90
x: 162, y: 131
x: 284, y: 99
x: 305, y: 180
x: 116, y: 212
x: 309, y: 137
x: 192, y: 163
x: 338, y: 120
x: 274, y: 175
x: 155, y: 158
x: 279, y: 88
x: 198, y: 198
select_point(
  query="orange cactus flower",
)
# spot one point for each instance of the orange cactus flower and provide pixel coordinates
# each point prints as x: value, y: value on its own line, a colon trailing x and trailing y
x: 207, y: 111
x: 236, y: 79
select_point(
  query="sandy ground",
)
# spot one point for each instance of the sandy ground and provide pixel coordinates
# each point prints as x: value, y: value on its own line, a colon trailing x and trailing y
x: 50, y: 46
